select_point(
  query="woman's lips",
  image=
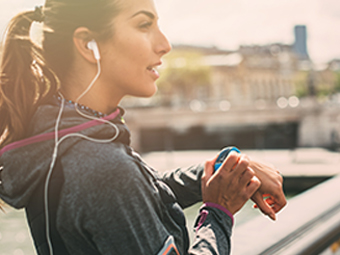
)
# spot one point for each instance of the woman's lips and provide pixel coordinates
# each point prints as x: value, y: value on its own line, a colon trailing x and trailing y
x: 153, y: 72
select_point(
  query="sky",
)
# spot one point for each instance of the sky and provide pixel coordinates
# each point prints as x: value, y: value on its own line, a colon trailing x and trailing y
x: 228, y: 24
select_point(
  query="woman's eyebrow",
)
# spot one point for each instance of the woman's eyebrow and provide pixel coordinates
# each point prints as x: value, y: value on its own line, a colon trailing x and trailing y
x: 149, y: 14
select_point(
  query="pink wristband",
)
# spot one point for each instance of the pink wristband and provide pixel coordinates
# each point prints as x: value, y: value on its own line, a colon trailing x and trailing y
x: 217, y: 206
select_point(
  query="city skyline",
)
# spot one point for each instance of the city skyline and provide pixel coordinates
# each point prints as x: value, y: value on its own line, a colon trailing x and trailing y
x: 229, y: 24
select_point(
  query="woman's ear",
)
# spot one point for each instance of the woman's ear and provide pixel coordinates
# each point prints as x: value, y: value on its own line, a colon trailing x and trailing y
x: 81, y: 38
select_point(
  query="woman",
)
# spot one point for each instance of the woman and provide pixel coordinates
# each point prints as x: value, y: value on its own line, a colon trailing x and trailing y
x: 84, y: 189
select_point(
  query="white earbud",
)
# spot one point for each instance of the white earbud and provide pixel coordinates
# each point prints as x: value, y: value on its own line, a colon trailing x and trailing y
x: 92, y: 45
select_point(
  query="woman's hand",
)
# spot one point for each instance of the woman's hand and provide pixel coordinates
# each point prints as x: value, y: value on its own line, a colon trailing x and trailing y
x: 270, y: 197
x: 232, y: 184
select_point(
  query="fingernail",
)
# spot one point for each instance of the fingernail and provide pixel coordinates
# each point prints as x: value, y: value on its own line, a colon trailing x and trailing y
x: 272, y: 216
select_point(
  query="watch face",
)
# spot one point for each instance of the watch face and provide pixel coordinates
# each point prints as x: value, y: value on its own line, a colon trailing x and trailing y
x: 221, y: 158
x: 223, y: 155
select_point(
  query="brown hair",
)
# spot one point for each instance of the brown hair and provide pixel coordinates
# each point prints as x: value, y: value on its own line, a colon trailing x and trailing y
x: 29, y: 74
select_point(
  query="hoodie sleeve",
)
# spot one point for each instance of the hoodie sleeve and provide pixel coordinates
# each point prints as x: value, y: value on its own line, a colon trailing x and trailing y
x: 213, y: 231
x: 186, y: 184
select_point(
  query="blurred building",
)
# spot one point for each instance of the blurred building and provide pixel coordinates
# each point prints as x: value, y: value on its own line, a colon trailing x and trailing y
x: 327, y: 80
x: 300, y: 44
x: 252, y: 76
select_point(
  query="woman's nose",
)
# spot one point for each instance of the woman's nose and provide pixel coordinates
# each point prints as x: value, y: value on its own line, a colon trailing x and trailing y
x: 163, y: 45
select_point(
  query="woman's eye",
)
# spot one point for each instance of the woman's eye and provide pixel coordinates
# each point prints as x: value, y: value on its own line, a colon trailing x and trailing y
x: 146, y: 25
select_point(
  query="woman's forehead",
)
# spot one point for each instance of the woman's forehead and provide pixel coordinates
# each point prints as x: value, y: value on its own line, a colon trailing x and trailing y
x: 131, y: 7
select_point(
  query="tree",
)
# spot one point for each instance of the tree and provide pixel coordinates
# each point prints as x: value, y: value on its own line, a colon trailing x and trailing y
x: 184, y: 73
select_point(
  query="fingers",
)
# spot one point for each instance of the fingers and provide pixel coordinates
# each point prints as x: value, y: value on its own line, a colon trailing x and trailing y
x: 231, y: 185
x: 239, y: 169
x: 236, y: 167
x: 277, y: 200
x: 230, y: 162
x: 243, y: 173
x: 278, y: 207
x: 280, y: 201
x: 208, y: 172
x: 246, y: 176
x: 264, y: 205
x: 253, y: 186
x: 208, y: 169
x: 271, y: 183
x: 248, y: 182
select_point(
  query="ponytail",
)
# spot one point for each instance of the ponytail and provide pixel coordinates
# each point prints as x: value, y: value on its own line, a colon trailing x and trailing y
x: 25, y: 80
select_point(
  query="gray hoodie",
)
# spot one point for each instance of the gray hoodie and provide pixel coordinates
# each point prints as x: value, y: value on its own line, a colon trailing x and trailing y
x: 110, y: 202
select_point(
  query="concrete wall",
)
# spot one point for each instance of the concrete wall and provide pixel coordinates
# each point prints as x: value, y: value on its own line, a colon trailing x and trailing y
x: 312, y: 125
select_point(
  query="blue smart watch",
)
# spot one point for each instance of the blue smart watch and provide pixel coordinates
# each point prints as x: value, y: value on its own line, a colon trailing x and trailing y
x: 223, y: 155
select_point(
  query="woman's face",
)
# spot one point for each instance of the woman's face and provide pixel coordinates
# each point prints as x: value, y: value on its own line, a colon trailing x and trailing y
x: 131, y: 56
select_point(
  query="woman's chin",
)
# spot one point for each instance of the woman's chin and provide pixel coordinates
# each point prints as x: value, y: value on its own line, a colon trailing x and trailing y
x: 149, y: 93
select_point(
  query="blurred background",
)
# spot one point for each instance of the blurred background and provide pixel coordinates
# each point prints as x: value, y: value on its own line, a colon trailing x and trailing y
x: 261, y: 75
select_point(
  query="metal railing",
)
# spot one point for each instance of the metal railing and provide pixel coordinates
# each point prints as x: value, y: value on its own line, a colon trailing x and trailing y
x: 308, y: 225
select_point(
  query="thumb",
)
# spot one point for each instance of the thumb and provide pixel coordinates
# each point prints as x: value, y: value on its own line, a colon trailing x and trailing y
x: 209, y: 169
x: 207, y: 173
x: 264, y: 207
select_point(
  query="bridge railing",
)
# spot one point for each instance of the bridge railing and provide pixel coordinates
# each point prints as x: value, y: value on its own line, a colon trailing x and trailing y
x: 308, y: 225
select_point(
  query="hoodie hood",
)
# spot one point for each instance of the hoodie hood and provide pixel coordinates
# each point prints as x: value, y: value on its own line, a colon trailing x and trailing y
x: 25, y: 163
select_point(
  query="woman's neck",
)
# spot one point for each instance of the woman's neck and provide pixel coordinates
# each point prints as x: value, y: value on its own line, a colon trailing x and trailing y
x: 98, y: 98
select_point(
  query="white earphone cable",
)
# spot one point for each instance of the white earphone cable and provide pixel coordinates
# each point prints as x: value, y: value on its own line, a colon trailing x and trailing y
x: 57, y: 142
x: 94, y: 118
x: 48, y: 177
